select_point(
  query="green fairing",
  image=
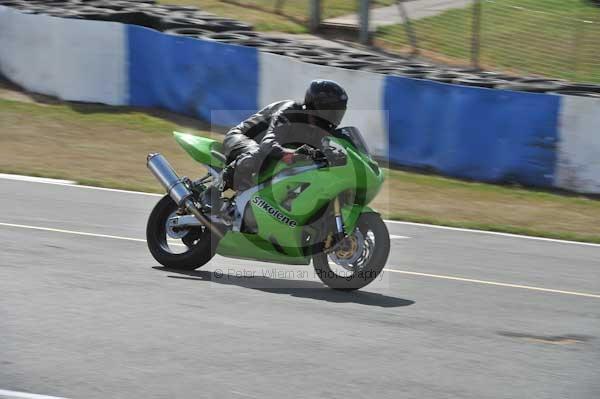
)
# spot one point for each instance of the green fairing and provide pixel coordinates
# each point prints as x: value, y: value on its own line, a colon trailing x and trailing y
x: 280, y: 229
x: 252, y: 246
x: 200, y: 148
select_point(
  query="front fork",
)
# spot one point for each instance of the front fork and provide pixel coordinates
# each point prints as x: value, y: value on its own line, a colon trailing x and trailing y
x: 339, y: 234
x: 339, y: 220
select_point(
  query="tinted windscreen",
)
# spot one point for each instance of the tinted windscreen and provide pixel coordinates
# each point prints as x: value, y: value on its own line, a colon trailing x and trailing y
x: 353, y: 135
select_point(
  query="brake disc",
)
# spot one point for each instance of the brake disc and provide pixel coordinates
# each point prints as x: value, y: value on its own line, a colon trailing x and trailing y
x: 349, y: 251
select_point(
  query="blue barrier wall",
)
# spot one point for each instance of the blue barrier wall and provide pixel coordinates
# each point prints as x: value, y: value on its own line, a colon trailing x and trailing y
x: 214, y: 81
x: 474, y: 133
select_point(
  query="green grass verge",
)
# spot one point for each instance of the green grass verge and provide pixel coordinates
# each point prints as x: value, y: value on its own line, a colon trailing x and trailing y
x: 144, y: 121
x: 556, y: 38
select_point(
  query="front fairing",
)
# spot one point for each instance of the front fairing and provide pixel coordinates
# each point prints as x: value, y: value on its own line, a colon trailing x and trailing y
x: 289, y: 200
x: 364, y: 172
x: 360, y: 174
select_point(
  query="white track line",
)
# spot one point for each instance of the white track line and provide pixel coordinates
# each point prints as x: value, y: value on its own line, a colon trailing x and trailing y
x: 33, y: 179
x: 70, y: 183
x: 469, y: 280
x: 24, y: 226
x: 395, y: 237
x: 25, y: 395
x: 79, y: 233
x: 432, y: 226
x: 492, y: 233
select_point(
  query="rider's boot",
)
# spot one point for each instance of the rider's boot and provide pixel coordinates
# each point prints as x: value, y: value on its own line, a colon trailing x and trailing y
x: 212, y: 199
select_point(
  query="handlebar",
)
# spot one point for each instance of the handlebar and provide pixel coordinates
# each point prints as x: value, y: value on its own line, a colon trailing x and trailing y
x: 331, y: 156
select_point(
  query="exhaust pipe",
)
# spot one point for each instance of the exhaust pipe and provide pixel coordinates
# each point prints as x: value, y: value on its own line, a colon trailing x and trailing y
x: 176, y: 188
x: 164, y: 173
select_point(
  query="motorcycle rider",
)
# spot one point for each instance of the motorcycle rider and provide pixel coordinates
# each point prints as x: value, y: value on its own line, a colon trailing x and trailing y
x: 282, y: 123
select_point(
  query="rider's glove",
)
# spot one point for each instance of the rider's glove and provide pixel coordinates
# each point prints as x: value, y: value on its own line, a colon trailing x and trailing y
x: 288, y: 157
x: 307, y: 152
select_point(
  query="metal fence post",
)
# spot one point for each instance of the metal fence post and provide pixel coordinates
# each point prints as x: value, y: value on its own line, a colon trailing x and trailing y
x: 578, y: 39
x: 408, y: 28
x: 364, y: 21
x: 315, y: 15
x: 476, y: 34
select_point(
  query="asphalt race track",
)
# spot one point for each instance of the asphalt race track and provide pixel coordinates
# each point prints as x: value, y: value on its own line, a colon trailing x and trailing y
x: 85, y: 312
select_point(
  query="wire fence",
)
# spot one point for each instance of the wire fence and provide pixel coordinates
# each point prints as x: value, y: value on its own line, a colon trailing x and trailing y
x: 551, y: 38
x: 297, y: 10
x: 554, y: 38
x: 300, y: 10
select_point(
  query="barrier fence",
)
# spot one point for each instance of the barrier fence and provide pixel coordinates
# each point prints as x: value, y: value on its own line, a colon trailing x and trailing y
x: 468, y: 132
x: 554, y: 38
x: 300, y: 10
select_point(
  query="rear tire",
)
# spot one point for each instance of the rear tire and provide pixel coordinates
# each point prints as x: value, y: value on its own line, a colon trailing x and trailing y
x: 200, y: 250
x: 368, y: 223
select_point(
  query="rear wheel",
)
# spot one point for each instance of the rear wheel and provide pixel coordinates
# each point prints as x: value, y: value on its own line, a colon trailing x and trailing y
x: 186, y: 249
x: 359, y: 259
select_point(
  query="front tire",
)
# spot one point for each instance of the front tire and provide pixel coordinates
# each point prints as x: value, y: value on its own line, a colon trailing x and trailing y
x: 373, y: 230
x: 201, y: 244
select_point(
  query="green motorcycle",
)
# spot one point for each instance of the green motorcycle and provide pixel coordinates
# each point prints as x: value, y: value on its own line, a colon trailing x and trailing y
x: 315, y: 209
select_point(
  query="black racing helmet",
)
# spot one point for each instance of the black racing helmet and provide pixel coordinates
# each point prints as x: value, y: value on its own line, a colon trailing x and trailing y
x: 328, y: 99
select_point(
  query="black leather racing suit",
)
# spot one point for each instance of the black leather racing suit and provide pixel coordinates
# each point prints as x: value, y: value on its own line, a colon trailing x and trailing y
x: 264, y: 135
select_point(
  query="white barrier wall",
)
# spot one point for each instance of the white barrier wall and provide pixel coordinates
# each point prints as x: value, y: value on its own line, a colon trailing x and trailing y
x: 70, y: 59
x: 578, y: 164
x: 285, y: 78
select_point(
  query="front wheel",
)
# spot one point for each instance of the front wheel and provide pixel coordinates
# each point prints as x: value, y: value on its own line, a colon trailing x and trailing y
x: 359, y: 259
x: 178, y: 249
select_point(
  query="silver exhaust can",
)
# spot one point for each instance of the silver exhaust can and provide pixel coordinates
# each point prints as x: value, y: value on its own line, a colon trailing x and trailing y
x: 166, y: 176
x: 177, y: 190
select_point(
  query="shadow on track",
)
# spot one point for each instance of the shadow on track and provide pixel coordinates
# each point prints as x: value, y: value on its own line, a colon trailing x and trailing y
x: 295, y: 288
